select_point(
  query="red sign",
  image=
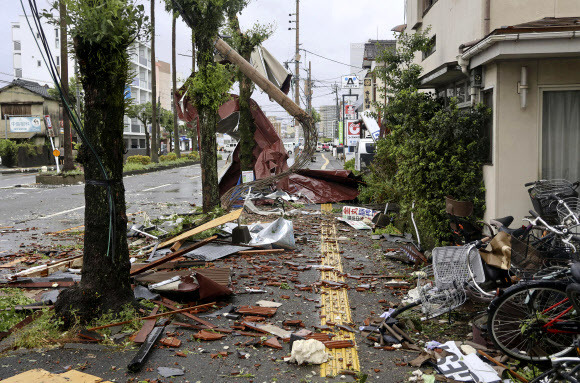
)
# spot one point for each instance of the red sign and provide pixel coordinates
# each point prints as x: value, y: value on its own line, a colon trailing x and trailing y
x: 353, y: 129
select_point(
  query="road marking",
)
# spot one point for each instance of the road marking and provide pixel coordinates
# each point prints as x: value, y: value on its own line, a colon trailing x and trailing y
x: 335, y: 305
x: 62, y: 212
x: 326, y: 163
x: 156, y: 187
x: 194, y: 177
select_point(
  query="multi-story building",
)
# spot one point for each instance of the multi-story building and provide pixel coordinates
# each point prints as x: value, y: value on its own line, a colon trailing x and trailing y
x: 328, y: 120
x: 277, y: 125
x: 520, y: 58
x: 29, y: 65
x: 164, y: 84
x: 372, y: 86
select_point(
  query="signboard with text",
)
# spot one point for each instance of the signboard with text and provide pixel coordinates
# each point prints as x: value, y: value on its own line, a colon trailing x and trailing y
x: 340, y: 133
x: 25, y: 124
x: 349, y: 112
x: 352, y: 132
x: 48, y: 124
x: 350, y: 82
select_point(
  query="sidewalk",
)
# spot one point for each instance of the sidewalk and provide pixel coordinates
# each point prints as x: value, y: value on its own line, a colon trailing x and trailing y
x: 36, y: 169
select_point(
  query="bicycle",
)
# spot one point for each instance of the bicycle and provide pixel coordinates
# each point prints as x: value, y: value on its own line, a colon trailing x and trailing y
x: 539, y: 319
x: 563, y: 370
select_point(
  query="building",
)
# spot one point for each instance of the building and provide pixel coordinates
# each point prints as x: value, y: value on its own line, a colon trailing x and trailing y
x: 520, y: 58
x: 356, y: 57
x: 28, y: 99
x: 164, y: 84
x: 328, y: 120
x: 29, y: 65
x: 373, y: 87
x: 277, y: 125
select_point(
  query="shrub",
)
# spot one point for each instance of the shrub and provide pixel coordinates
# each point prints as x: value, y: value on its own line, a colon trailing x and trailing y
x: 8, y: 152
x: 219, y: 157
x: 193, y: 156
x: 143, y: 160
x: 349, y: 165
x: 168, y: 157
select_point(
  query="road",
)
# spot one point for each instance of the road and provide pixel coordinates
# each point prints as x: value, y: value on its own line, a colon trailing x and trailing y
x: 29, y: 210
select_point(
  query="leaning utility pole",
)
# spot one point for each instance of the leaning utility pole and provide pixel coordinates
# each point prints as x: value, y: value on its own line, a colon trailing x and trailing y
x: 309, y: 91
x: 67, y: 144
x: 154, y: 157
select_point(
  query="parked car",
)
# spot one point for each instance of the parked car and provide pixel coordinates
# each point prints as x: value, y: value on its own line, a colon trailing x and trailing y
x: 230, y: 147
x: 364, y: 153
x: 326, y: 147
x: 319, y: 147
x: 289, y: 146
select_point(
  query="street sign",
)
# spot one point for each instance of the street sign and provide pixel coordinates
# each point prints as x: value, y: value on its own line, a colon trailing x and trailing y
x: 48, y: 124
x: 350, y: 82
x: 349, y: 112
x: 352, y: 133
x: 56, y: 152
x: 25, y: 125
x: 340, y: 133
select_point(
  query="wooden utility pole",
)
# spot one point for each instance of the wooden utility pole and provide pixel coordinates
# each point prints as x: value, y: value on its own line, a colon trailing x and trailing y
x: 297, y: 65
x: 67, y: 144
x: 174, y: 87
x: 309, y: 91
x: 154, y: 157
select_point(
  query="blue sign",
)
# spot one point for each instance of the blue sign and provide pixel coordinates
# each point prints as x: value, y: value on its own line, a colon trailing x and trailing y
x: 127, y: 92
x: 25, y: 125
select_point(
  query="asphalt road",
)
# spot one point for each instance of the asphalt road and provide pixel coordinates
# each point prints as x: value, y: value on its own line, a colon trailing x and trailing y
x: 30, y: 210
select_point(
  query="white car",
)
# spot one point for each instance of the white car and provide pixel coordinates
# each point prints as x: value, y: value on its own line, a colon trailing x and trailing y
x: 289, y: 146
x: 319, y: 147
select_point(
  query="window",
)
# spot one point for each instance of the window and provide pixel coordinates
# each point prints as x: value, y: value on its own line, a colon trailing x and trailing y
x: 56, y: 32
x: 427, y: 4
x: 135, y: 128
x: 17, y: 46
x: 16, y: 109
x: 487, y: 100
x: 18, y: 72
x: 432, y: 49
x: 38, y: 63
x: 142, y: 143
x: 57, y: 60
x: 560, y: 135
x: 16, y: 26
x: 134, y: 143
x: 57, y: 43
x: 459, y: 90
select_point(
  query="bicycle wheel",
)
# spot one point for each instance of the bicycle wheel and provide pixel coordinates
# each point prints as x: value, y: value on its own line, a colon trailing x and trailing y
x: 560, y: 374
x: 518, y: 321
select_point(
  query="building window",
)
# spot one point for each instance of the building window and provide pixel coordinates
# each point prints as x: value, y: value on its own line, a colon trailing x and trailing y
x: 17, y: 46
x: 57, y: 43
x: 56, y: 32
x: 432, y: 49
x: 142, y: 143
x: 427, y: 4
x: 459, y: 90
x: 135, y: 128
x: 38, y: 63
x: 57, y: 60
x: 16, y: 26
x: 18, y: 72
x: 134, y: 143
x: 16, y: 109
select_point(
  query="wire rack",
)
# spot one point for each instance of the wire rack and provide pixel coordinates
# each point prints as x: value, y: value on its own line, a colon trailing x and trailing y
x: 569, y: 211
x: 436, y: 301
x: 541, y: 193
x: 450, y: 266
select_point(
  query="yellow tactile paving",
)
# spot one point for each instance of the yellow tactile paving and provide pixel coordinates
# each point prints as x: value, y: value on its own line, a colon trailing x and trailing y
x: 335, y: 305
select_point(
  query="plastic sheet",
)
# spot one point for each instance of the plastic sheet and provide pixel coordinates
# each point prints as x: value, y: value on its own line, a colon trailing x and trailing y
x: 279, y: 233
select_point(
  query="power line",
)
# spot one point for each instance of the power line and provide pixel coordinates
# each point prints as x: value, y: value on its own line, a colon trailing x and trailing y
x: 329, y: 59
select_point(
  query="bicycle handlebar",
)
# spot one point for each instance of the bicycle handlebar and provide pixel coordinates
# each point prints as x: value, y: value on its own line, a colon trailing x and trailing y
x: 534, y: 214
x: 529, y: 184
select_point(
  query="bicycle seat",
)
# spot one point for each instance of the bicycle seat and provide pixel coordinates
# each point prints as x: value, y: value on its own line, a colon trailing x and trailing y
x: 505, y: 221
x: 576, y: 271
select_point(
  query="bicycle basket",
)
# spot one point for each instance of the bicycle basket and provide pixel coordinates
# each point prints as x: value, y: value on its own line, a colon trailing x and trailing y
x: 450, y: 266
x: 540, y: 196
x: 525, y: 258
x: 436, y: 301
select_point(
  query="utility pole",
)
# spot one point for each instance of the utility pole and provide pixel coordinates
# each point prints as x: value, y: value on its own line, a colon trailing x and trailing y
x: 335, y: 89
x: 309, y: 89
x: 297, y: 64
x: 67, y: 144
x: 154, y: 157
x: 174, y: 87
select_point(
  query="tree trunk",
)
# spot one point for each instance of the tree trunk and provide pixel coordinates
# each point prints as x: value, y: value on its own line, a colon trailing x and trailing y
x: 247, y: 128
x: 67, y: 144
x: 147, y: 141
x: 174, y: 87
x: 105, y: 283
x: 194, y: 136
x: 208, y: 119
x: 154, y: 138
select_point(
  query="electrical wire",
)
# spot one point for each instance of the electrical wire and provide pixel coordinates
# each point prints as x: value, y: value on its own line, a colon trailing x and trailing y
x: 48, y: 59
x: 329, y: 59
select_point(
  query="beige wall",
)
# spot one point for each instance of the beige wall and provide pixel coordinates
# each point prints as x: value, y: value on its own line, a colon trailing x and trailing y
x: 517, y: 131
x: 164, y: 84
x: 510, y: 12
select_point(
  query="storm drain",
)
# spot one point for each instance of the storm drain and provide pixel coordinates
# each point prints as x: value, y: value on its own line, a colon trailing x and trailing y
x: 335, y: 306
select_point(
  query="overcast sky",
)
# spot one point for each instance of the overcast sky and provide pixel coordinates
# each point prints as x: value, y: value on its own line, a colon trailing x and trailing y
x: 327, y: 27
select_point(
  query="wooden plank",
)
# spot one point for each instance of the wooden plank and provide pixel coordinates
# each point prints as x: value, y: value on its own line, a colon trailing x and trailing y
x: 172, y: 256
x: 209, y: 225
x: 177, y: 245
x: 263, y: 251
x: 75, y: 376
x: 176, y: 311
x: 12, y: 263
x: 147, y: 327
x: 36, y: 375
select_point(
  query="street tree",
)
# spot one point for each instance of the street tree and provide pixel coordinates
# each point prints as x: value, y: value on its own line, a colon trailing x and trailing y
x: 210, y: 86
x: 68, y: 164
x: 245, y: 43
x: 143, y: 113
x: 102, y: 32
x: 154, y: 130
x: 174, y: 82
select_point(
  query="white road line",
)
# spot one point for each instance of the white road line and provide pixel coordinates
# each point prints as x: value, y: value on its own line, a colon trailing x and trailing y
x: 323, y: 167
x: 62, y: 212
x: 156, y: 187
x: 194, y: 177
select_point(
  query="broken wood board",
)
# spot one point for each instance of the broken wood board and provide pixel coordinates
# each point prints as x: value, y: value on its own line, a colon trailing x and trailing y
x: 148, y: 326
x: 12, y: 263
x: 190, y: 316
x: 172, y: 256
x: 45, y: 270
x: 209, y: 225
x: 43, y: 376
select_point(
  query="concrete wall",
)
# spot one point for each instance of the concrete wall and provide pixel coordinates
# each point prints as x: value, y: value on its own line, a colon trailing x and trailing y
x: 517, y: 131
x: 510, y: 12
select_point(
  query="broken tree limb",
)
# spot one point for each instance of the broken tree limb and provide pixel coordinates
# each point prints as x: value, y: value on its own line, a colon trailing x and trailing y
x: 184, y: 313
x: 172, y: 256
x: 209, y: 225
x: 153, y: 316
x: 514, y: 374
